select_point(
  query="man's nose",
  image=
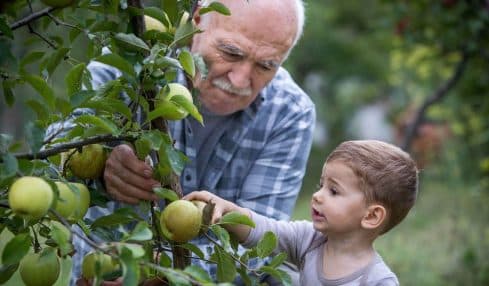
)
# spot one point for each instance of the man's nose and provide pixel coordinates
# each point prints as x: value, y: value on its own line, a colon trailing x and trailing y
x: 240, y: 75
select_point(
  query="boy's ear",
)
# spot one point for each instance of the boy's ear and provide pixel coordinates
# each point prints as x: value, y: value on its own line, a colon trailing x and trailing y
x: 374, y: 216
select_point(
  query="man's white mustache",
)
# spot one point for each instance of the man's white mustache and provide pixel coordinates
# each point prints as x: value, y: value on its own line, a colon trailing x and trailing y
x: 225, y: 85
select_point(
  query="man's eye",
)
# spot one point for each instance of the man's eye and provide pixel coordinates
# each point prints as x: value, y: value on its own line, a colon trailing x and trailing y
x: 232, y: 56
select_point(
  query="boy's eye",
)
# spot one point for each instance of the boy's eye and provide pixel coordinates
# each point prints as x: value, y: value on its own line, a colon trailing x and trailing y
x: 333, y: 191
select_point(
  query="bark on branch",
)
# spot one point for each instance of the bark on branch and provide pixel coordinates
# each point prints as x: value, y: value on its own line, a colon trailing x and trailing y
x: 58, y: 148
x: 439, y: 94
x: 30, y: 18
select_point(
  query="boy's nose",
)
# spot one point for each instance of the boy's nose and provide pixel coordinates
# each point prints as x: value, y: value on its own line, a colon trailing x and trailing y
x: 316, y: 197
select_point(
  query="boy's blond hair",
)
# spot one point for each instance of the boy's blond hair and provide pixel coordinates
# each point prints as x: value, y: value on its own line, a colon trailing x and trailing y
x: 387, y: 174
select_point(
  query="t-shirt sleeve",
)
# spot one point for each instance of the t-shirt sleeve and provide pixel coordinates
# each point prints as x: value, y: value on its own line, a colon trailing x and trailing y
x: 294, y: 237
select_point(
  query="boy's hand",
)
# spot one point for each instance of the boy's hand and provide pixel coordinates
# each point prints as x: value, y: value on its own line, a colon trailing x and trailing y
x: 221, y: 208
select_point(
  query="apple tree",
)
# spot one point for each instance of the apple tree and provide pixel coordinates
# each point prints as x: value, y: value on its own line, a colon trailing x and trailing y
x: 48, y: 180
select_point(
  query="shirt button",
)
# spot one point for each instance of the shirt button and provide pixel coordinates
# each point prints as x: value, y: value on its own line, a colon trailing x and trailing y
x: 189, y: 130
x: 188, y: 177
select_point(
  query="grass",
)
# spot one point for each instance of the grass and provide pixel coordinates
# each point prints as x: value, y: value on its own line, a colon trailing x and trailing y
x: 445, y: 238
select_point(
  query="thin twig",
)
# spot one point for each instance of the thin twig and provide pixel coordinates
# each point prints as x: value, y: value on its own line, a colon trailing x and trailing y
x: 30, y: 18
x: 41, y: 36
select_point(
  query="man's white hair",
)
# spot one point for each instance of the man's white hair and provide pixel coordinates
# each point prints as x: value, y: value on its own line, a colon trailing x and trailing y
x: 300, y: 14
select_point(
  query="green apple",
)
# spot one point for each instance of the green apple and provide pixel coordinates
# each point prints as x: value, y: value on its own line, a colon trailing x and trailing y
x: 57, y: 3
x: 170, y: 110
x: 83, y: 201
x: 66, y: 202
x: 89, y: 164
x: 98, y: 262
x: 40, y: 269
x: 180, y: 220
x: 154, y: 24
x: 73, y: 200
x: 30, y: 197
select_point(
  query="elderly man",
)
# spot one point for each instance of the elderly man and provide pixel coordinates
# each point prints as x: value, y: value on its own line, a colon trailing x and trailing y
x: 258, y: 122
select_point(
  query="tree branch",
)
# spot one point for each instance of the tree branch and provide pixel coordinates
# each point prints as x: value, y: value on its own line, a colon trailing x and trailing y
x: 438, y: 95
x: 30, y: 18
x: 58, y: 148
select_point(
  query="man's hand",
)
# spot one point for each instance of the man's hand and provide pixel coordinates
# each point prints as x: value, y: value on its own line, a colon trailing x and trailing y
x: 128, y: 179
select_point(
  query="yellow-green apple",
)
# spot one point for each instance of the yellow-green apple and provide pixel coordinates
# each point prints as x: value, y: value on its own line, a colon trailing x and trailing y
x: 180, y: 220
x: 98, y: 262
x: 73, y: 200
x: 40, y: 269
x: 168, y: 109
x: 154, y: 24
x: 30, y: 197
x: 83, y: 201
x: 88, y: 164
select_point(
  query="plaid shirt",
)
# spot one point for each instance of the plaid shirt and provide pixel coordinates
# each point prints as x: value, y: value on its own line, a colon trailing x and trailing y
x: 258, y: 162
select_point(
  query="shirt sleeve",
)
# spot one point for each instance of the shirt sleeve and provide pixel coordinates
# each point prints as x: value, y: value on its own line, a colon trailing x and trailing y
x: 294, y: 237
x: 275, y: 177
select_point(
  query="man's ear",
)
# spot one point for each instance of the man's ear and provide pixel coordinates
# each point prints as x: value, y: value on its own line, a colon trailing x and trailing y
x: 374, y: 217
x: 197, y: 17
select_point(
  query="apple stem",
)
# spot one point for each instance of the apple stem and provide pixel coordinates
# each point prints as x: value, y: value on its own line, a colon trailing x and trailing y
x: 37, y: 246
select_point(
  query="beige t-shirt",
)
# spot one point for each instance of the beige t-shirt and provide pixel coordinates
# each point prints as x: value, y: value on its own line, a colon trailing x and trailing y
x: 304, y: 248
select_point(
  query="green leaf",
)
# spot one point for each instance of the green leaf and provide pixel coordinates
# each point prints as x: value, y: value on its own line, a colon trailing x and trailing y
x: 143, y: 148
x: 165, y: 260
x: 141, y: 232
x: 222, y: 235
x: 117, y: 62
x: 236, y: 218
x: 187, y: 61
x: 5, y: 141
x: 6, y: 271
x: 35, y: 136
x: 30, y: 58
x: 184, y: 34
x: 166, y: 194
x: 176, y: 159
x: 73, y: 79
x: 61, y: 235
x: 267, y: 244
x: 215, y: 6
x: 16, y: 249
x: 200, y: 64
x: 198, y: 273
x: 8, y: 94
x: 177, y: 280
x: 55, y: 59
x: 226, y: 269
x: 130, y: 42
x: 130, y: 268
x: 42, y: 112
x: 278, y: 259
x: 171, y: 9
x: 137, y: 251
x: 186, y: 104
x: 119, y: 217
x: 42, y: 88
x: 194, y: 249
x: 281, y: 275
x: 9, y: 167
x: 80, y: 97
x: 5, y: 28
x: 109, y: 105
x: 158, y: 14
x: 103, y: 123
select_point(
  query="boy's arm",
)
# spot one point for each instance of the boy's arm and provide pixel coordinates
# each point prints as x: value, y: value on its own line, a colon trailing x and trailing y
x: 221, y: 208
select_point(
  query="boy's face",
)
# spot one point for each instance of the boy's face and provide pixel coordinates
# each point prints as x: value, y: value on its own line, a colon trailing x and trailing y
x: 339, y: 205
